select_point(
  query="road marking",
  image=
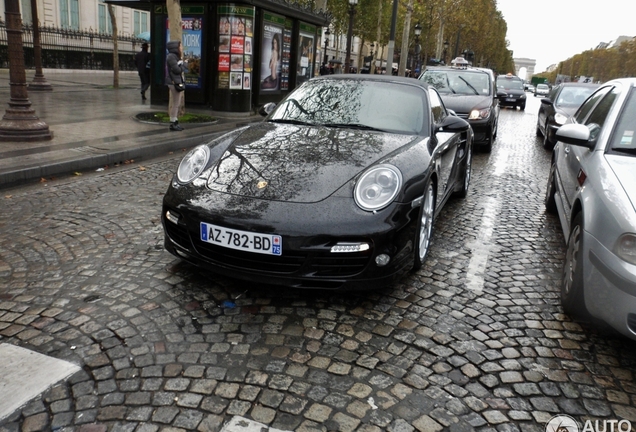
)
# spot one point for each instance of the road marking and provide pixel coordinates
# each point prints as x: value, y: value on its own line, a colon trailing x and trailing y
x: 482, y: 246
x: 241, y: 424
x: 25, y: 374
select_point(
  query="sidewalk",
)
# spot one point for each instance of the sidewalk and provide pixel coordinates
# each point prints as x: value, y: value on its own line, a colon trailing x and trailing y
x: 93, y: 126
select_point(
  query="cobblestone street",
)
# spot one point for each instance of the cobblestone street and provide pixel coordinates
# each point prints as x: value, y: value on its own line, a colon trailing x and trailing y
x: 474, y: 341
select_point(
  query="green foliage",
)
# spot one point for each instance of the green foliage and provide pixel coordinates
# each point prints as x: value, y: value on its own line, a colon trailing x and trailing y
x: 474, y: 25
x: 603, y: 64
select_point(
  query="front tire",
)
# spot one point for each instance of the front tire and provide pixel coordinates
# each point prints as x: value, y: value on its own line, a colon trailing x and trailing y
x: 424, y: 227
x: 547, y: 144
x: 572, y: 296
x: 550, y: 192
x: 467, y: 171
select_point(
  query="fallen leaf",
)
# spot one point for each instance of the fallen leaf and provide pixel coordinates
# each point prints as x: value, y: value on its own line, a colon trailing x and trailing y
x: 43, y: 180
x: 142, y: 168
x: 77, y: 173
x: 8, y: 196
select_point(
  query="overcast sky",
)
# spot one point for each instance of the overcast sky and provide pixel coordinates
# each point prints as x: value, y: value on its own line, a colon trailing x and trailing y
x: 550, y: 31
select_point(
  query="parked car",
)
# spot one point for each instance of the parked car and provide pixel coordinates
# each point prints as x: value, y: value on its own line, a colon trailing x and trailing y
x: 592, y: 188
x: 555, y: 109
x: 541, y: 90
x: 338, y: 187
x: 471, y: 94
x: 510, y: 91
x: 530, y: 88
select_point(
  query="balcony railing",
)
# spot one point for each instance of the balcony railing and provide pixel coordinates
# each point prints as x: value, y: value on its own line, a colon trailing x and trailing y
x: 73, y: 49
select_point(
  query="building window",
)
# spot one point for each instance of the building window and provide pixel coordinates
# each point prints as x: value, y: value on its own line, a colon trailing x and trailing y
x: 69, y: 14
x: 27, y: 17
x: 140, y: 22
x: 105, y: 24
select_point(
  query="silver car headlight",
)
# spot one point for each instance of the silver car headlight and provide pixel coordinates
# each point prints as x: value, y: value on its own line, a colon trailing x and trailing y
x: 560, y: 118
x: 626, y: 248
x: 193, y: 164
x: 378, y: 187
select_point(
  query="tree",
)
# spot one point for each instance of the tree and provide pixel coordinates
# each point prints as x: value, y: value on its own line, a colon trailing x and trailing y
x: 113, y: 20
x: 176, y: 33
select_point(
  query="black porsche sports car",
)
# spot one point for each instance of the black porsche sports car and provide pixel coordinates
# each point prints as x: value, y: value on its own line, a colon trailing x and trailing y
x: 337, y: 188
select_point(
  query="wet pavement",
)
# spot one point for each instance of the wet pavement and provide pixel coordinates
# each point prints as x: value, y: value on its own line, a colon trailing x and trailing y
x: 94, y: 125
x: 474, y: 341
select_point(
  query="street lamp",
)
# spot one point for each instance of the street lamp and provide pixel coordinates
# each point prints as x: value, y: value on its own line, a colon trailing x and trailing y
x: 352, y: 5
x: 326, y: 57
x: 445, y: 50
x: 418, y: 47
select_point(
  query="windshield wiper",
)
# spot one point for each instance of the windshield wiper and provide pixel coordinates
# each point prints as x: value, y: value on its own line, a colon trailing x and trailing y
x: 468, y: 84
x: 291, y: 121
x: 353, y: 126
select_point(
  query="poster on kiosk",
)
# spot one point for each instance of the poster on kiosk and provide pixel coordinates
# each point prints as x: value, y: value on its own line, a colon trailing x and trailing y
x: 236, y: 38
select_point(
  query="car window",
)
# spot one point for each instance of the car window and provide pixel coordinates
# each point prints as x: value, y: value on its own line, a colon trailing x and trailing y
x: 387, y: 106
x: 584, y: 109
x: 624, y: 136
x: 462, y: 82
x: 601, y: 110
x: 573, y: 96
x: 437, y: 106
x: 509, y: 83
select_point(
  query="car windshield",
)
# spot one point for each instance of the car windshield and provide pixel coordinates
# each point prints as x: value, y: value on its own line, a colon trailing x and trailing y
x: 573, y: 96
x: 353, y: 103
x: 509, y: 83
x: 462, y: 82
x: 624, y: 137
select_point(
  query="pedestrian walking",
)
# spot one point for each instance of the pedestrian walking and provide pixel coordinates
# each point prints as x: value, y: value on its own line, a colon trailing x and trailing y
x: 142, y: 61
x: 175, y: 80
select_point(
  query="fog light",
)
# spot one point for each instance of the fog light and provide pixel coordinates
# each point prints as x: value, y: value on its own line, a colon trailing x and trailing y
x: 349, y: 247
x: 174, y: 218
x: 382, y: 260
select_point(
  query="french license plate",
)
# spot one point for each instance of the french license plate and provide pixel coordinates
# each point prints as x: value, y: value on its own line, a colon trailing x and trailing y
x: 511, y: 100
x: 267, y: 244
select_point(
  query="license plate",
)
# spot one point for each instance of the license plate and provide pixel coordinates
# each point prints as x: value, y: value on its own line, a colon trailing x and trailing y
x: 510, y: 99
x: 267, y: 244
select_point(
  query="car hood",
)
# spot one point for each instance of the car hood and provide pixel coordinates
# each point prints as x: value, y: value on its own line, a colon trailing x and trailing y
x: 298, y: 163
x: 624, y: 167
x: 566, y: 110
x: 464, y: 104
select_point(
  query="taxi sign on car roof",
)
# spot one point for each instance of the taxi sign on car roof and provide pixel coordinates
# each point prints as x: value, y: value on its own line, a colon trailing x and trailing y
x: 459, y: 62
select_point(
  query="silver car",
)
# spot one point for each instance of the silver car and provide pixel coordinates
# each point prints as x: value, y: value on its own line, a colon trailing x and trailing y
x: 592, y: 188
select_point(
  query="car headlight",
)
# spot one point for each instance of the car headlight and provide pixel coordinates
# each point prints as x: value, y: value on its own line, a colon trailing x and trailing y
x: 479, y: 114
x: 523, y: 96
x: 626, y: 248
x: 193, y: 164
x: 560, y: 118
x: 378, y: 187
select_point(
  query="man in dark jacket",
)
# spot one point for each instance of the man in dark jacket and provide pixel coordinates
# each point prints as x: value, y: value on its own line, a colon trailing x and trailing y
x: 142, y: 61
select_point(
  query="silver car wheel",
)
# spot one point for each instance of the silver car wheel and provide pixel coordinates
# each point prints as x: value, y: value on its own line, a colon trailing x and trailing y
x: 426, y: 222
x: 572, y: 296
x: 571, y: 260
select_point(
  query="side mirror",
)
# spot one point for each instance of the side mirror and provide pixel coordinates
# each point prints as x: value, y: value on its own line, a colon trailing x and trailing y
x: 453, y: 124
x: 578, y: 134
x: 267, y: 109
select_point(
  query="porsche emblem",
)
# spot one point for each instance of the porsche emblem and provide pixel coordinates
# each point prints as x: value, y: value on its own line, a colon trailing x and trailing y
x: 261, y: 184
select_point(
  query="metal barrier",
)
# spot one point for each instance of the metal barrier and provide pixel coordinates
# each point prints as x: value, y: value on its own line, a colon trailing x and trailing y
x: 71, y: 49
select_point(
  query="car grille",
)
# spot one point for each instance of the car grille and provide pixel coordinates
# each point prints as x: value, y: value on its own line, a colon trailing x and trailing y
x: 315, y: 263
x: 178, y: 234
